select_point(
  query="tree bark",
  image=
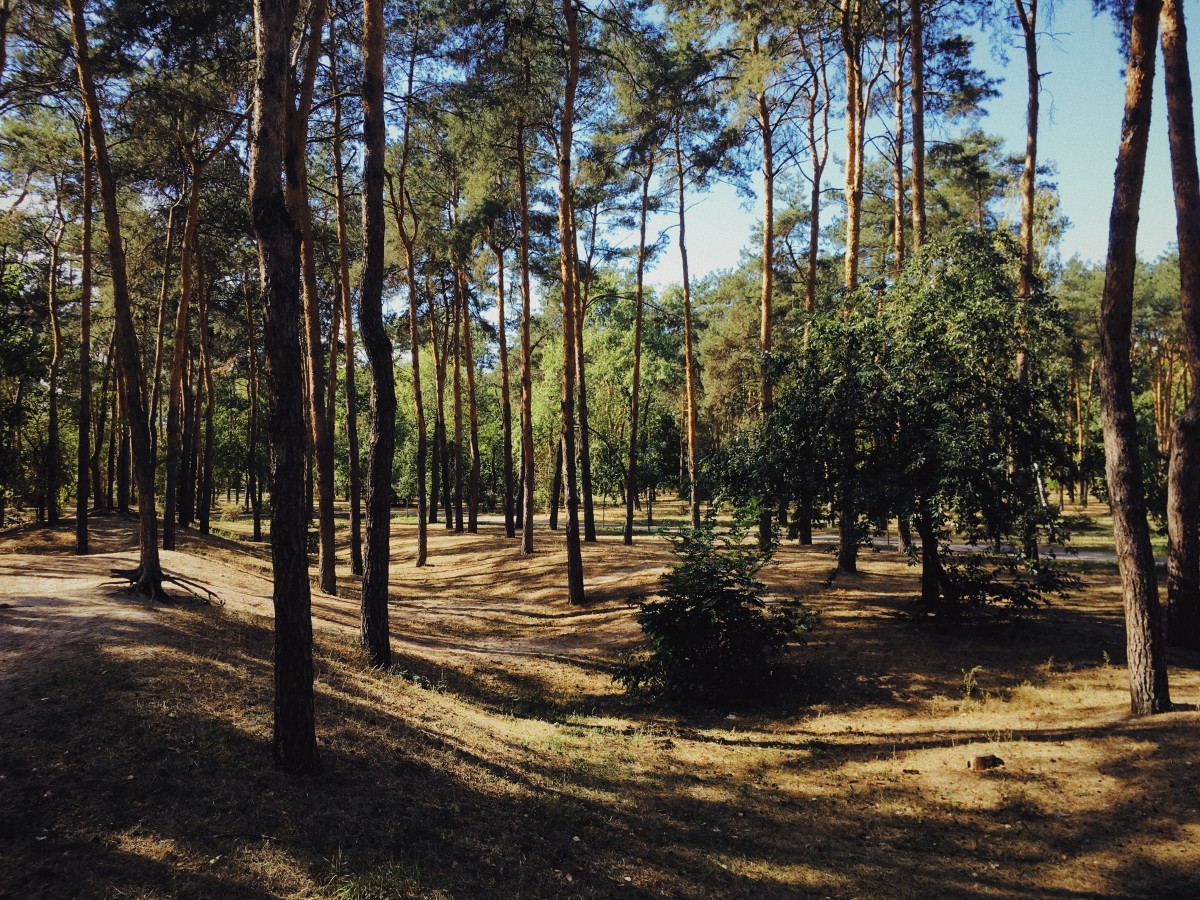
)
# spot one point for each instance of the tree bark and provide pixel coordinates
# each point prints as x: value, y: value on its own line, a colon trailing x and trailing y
x: 767, y: 131
x: 149, y: 575
x: 253, y: 494
x: 472, y: 408
x: 160, y: 334
x: 382, y: 441
x: 294, y: 745
x: 1143, y: 623
x: 83, y: 489
x: 639, y: 301
x: 206, y: 477
x: 356, y: 550
x: 688, y: 358
x: 917, y: 27
x: 53, y: 450
x: 527, y: 471
x: 505, y: 403
x: 1183, y: 478
x: 456, y: 359
x: 297, y: 196
x: 585, y: 438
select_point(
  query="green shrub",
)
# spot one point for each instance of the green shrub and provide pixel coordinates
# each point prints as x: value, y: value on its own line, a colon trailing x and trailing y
x: 711, y: 635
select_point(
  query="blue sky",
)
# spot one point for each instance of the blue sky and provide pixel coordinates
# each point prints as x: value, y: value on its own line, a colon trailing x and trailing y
x: 1081, y: 105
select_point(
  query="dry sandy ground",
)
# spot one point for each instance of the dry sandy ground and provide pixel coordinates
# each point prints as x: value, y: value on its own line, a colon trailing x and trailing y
x: 852, y: 783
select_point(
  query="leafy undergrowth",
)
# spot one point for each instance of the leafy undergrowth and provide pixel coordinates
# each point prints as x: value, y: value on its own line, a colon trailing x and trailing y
x: 498, y: 759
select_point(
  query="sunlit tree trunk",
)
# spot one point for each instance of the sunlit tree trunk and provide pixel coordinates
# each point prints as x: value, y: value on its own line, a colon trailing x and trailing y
x: 631, y: 475
x: 53, y: 450
x: 356, y: 552
x: 149, y: 574
x: 1183, y: 480
x: 688, y: 357
x: 505, y: 394
x: 917, y: 28
x: 569, y: 274
x: 527, y: 472
x: 472, y: 409
x: 1143, y: 618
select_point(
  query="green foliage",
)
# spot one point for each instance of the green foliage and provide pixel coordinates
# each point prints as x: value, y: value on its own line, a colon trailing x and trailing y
x: 712, y: 636
x: 1005, y: 587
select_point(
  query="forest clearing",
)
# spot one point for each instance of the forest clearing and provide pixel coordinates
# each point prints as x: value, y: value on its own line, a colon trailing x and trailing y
x: 585, y: 448
x: 497, y: 757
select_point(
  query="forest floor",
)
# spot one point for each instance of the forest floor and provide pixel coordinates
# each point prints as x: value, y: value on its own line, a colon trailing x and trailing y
x: 498, y: 758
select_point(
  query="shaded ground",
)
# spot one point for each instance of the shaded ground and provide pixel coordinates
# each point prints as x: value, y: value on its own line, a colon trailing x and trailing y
x: 498, y: 759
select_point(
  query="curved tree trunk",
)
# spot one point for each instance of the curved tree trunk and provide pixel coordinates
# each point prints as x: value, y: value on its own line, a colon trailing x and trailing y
x: 382, y: 441
x: 1183, y: 480
x: 149, y: 574
x: 1143, y: 623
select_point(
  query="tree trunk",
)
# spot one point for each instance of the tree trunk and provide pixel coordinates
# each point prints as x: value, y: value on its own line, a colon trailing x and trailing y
x: 766, y: 314
x: 1183, y: 480
x: 356, y: 551
x: 382, y: 442
x: 585, y: 438
x: 1143, y: 623
x: 898, y: 151
x: 149, y: 574
x: 296, y: 193
x: 82, y: 488
x: 206, y: 477
x: 639, y: 297
x: 295, y: 745
x: 407, y: 239
x: 175, y: 402
x: 472, y: 408
x: 688, y: 357
x: 456, y: 358
x: 569, y: 275
x: 505, y: 403
x: 160, y: 334
x: 53, y: 451
x: 556, y: 481
x: 253, y: 494
x: 527, y: 472
x: 917, y: 26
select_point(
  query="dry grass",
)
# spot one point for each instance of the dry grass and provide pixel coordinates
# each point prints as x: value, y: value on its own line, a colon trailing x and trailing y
x: 498, y: 759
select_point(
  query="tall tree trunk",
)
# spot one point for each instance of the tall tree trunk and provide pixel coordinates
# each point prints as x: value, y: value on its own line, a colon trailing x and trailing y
x: 400, y: 200
x: 382, y: 442
x: 295, y: 745
x: 1183, y: 479
x: 356, y: 551
x: 1027, y: 12
x: 688, y: 357
x: 585, y: 438
x: 472, y: 408
x: 53, y: 450
x: 456, y: 358
x: 527, y: 473
x: 898, y: 150
x: 175, y: 402
x: 505, y: 394
x: 296, y: 192
x: 917, y: 27
x: 441, y: 462
x: 210, y: 397
x: 766, y: 312
x: 631, y: 474
x: 82, y: 488
x: 149, y: 575
x: 253, y: 494
x: 1143, y: 621
x: 160, y: 332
